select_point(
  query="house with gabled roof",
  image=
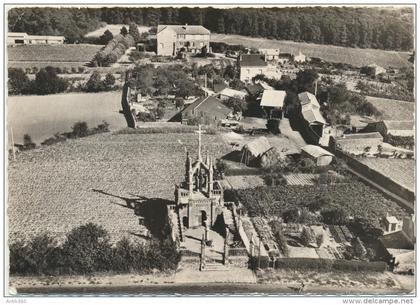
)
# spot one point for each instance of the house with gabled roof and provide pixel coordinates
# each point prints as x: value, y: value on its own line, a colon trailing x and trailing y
x: 208, y: 110
x: 251, y: 65
x: 311, y: 112
x: 172, y: 39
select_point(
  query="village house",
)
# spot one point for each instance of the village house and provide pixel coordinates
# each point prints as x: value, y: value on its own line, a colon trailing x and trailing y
x: 300, y: 58
x: 393, y: 128
x: 15, y: 38
x: 320, y: 156
x: 398, y: 244
x: 172, y: 39
x: 207, y: 110
x: 270, y: 54
x: 255, y: 64
x: 272, y: 103
x: 311, y: 112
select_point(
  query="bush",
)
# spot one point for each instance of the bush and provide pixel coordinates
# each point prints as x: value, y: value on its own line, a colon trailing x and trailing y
x: 36, y: 257
x: 335, y: 216
x: 87, y: 249
x: 80, y: 129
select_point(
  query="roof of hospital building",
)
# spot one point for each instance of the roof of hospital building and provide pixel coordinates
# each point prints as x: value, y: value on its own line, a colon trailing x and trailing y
x: 185, y: 29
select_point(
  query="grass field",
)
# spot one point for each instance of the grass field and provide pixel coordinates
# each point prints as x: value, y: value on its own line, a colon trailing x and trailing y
x: 393, y: 109
x: 41, y: 116
x: 354, y: 56
x: 63, y: 56
x: 114, y: 29
x: 95, y: 179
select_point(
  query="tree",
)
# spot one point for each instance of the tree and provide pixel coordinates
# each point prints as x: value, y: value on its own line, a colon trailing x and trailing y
x: 123, y: 31
x: 106, y: 37
x: 133, y: 30
x: 291, y: 215
x: 27, y: 142
x: 87, y: 249
x: 109, y: 81
x: 306, y: 236
x: 236, y: 104
x: 305, y: 80
x: 47, y: 82
x: 358, y: 248
x: 94, y: 84
x: 80, y: 129
x: 273, y: 126
x: 18, y: 82
x: 335, y: 216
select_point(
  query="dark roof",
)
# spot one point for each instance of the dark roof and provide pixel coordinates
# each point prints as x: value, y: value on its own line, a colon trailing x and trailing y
x: 185, y: 29
x: 397, y: 240
x: 252, y: 60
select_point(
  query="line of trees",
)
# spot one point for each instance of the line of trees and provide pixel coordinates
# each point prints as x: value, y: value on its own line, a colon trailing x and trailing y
x: 345, y: 26
x: 114, y: 49
x: 46, y: 82
x: 86, y: 250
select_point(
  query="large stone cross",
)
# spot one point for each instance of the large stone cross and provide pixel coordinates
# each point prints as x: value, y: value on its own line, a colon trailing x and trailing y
x: 199, y: 131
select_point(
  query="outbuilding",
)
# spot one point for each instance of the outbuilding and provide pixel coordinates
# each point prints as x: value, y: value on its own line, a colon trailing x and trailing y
x: 320, y: 156
x: 254, y: 150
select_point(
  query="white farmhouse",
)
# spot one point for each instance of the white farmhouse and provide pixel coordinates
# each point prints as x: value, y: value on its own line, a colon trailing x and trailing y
x: 254, y: 64
x: 171, y: 39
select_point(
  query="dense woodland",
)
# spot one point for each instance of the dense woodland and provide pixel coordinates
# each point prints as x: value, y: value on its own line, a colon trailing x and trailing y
x: 352, y: 27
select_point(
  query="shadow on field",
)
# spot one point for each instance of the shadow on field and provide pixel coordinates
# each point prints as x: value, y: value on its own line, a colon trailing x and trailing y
x: 152, y: 212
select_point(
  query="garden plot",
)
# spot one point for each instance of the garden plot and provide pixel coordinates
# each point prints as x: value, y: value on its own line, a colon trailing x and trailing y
x: 112, y: 180
x: 243, y: 182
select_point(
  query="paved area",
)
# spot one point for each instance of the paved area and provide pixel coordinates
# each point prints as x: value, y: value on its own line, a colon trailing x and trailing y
x: 193, y: 242
x: 233, y: 275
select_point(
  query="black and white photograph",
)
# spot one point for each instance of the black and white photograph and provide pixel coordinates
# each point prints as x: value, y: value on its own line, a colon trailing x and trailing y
x: 214, y: 150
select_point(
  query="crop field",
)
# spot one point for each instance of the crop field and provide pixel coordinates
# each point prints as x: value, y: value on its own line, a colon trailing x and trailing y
x: 393, y: 109
x: 356, y: 198
x: 66, y: 55
x: 399, y: 170
x: 354, y: 56
x: 41, y: 116
x: 98, y: 179
x: 114, y: 29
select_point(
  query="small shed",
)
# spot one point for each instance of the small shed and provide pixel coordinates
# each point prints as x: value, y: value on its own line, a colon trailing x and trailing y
x: 254, y: 150
x: 320, y: 156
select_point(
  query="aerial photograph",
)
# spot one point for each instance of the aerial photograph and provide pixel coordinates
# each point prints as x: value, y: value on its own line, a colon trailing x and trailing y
x: 178, y: 150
